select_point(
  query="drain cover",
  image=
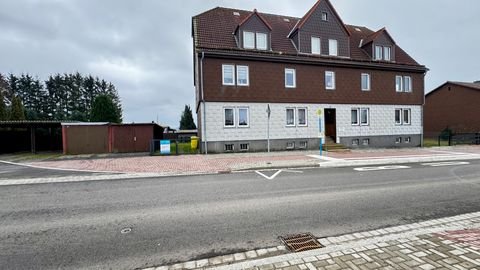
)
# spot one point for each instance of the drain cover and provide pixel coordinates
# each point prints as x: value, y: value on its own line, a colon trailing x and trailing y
x: 300, y: 242
x: 126, y: 230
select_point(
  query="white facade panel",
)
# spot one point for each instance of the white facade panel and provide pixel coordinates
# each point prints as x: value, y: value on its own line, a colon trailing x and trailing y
x: 381, y: 121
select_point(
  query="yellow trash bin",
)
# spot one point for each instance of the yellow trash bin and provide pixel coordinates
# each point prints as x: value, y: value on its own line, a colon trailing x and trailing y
x: 194, y: 142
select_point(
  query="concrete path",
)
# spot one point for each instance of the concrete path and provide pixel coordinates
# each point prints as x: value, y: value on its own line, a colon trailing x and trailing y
x: 447, y: 243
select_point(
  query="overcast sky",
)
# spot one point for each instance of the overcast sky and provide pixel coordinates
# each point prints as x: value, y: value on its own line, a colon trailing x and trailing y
x: 144, y: 47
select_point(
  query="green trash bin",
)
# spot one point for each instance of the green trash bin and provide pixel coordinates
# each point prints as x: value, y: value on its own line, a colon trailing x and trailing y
x: 194, y: 142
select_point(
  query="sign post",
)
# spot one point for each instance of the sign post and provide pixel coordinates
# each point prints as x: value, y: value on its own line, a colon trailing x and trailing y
x: 165, y: 147
x: 268, y: 127
x: 320, y: 134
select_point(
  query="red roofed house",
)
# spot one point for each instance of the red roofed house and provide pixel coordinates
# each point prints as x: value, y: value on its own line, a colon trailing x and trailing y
x: 453, y: 105
x: 370, y: 91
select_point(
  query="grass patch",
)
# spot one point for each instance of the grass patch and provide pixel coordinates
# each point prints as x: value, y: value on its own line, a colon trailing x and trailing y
x: 431, y: 142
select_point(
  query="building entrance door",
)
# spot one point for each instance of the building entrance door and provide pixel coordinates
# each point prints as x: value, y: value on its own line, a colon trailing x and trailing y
x: 330, y: 123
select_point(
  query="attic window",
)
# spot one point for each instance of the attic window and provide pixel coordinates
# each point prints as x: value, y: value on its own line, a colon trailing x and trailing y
x: 324, y: 16
x: 286, y: 20
x: 358, y: 29
x: 236, y: 13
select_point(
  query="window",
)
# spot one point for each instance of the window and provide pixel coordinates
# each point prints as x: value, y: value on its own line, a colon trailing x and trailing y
x: 315, y: 45
x: 329, y: 80
x: 229, y: 147
x: 290, y: 145
x: 242, y: 75
x: 365, y: 141
x: 228, y: 74
x: 248, y: 40
x: 243, y: 117
x: 302, y: 145
x: 324, y: 16
x: 355, y: 118
x: 355, y: 142
x: 407, y: 84
x: 290, y: 78
x: 398, y: 83
x: 408, y: 140
x: 378, y: 52
x: 364, y: 117
x: 406, y: 117
x: 365, y: 82
x: 244, y: 147
x: 261, y: 41
x: 398, y: 116
x: 403, y: 83
x: 290, y: 117
x: 229, y: 117
x: 302, y: 116
x: 398, y: 140
x: 387, y: 53
x: 332, y: 47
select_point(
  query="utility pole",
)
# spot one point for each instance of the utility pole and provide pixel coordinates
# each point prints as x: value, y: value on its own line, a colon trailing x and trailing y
x: 268, y: 127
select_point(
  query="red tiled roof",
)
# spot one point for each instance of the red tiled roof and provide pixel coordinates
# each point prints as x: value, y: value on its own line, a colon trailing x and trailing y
x: 213, y: 30
x: 475, y: 86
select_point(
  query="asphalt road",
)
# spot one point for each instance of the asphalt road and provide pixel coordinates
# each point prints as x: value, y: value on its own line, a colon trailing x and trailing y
x: 78, y: 225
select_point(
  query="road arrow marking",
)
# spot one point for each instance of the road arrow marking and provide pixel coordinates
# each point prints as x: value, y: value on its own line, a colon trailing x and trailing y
x: 448, y: 163
x: 394, y: 167
x: 269, y: 177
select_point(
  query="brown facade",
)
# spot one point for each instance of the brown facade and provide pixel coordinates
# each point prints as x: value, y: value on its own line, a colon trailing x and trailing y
x: 267, y: 85
x: 452, y: 106
x: 106, y: 138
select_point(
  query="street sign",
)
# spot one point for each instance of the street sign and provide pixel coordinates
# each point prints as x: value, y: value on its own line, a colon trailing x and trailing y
x: 319, y: 112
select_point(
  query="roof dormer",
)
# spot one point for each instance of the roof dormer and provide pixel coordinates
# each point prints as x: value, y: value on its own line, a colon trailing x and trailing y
x: 380, y: 46
x: 253, y: 33
x: 321, y: 31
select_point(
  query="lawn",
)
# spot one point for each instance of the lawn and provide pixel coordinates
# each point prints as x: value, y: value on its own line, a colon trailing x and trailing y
x: 430, y: 142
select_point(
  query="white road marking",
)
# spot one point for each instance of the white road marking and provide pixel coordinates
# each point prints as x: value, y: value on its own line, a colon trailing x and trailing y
x: 394, y: 167
x: 277, y: 173
x: 448, y: 163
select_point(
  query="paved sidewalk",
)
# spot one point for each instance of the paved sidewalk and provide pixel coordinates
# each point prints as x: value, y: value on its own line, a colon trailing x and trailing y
x: 218, y: 163
x: 447, y: 243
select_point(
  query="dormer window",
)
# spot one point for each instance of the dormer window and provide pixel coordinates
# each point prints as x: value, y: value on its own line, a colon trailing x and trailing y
x: 248, y: 40
x: 253, y: 40
x: 261, y: 41
x: 315, y: 45
x: 332, y: 47
x: 383, y: 53
x: 324, y: 16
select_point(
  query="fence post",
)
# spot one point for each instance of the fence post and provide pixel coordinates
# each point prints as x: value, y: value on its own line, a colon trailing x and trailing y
x: 449, y: 139
x: 439, y: 137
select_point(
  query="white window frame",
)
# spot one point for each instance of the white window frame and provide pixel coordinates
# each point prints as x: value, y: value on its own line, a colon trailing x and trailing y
x: 389, y: 49
x: 407, y: 84
x: 246, y: 149
x: 318, y: 49
x: 286, y: 117
x: 259, y: 34
x: 400, y: 122
x: 366, y: 141
x: 378, y: 52
x: 245, y: 45
x: 399, y: 83
x: 225, y: 118
x: 324, y: 16
x: 357, y: 123
x: 247, y: 74
x: 368, y: 116
x: 367, y: 76
x: 290, y: 70
x: 298, y: 117
x: 408, y: 140
x: 407, y: 120
x: 332, y: 75
x: 223, y: 74
x: 248, y: 117
x: 332, y: 47
x: 227, y: 150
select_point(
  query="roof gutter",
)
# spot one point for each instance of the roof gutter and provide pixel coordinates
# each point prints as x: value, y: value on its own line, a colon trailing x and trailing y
x: 335, y: 63
x: 204, y: 122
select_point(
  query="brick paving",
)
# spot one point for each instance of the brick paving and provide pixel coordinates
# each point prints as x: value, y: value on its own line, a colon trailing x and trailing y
x: 447, y: 243
x: 214, y: 163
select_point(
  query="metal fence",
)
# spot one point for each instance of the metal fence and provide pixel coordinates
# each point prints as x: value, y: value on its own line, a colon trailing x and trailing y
x: 180, y: 146
x: 458, y: 139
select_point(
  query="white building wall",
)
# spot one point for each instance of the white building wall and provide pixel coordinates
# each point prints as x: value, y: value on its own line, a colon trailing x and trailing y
x: 382, y: 121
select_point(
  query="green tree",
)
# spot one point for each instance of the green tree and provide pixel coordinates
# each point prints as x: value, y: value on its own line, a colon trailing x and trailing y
x: 3, y: 107
x: 186, y: 122
x: 104, y: 110
x: 17, y: 111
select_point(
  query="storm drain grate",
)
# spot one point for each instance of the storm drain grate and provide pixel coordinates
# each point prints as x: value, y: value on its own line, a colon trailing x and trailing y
x: 300, y: 242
